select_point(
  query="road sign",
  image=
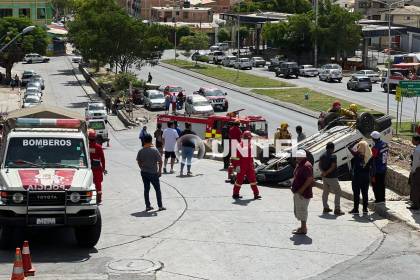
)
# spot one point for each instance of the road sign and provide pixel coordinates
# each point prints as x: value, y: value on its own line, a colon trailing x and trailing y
x: 398, y: 94
x: 410, y: 88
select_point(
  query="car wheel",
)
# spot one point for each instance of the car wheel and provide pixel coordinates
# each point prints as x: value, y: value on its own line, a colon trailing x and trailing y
x: 370, y: 90
x: 29, y: 61
x: 365, y: 123
x: 348, y: 87
x: 385, y: 88
x: 88, y: 236
x: 320, y: 78
x: 339, y: 80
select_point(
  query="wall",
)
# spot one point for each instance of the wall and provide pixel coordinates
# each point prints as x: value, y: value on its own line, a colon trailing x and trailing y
x: 397, y: 179
x: 33, y: 5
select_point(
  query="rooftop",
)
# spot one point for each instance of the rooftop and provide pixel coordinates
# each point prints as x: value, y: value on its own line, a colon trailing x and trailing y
x: 406, y: 10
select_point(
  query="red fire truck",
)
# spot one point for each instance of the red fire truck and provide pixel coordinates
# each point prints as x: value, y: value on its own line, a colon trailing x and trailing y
x: 210, y: 127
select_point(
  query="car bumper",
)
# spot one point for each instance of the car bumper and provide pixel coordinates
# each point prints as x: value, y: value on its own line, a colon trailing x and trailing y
x: 157, y: 106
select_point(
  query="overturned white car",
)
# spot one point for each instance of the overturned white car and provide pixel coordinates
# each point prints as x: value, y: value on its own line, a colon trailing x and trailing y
x: 343, y: 133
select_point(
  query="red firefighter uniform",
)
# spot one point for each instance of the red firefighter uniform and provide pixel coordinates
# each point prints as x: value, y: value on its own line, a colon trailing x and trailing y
x: 97, y: 159
x: 246, y: 165
x: 235, y: 135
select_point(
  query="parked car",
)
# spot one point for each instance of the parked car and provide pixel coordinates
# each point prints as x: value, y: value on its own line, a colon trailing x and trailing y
x: 154, y: 99
x: 76, y: 59
x: 397, y: 75
x: 34, y: 84
x: 31, y: 101
x: 331, y: 72
x: 229, y: 61
x: 308, y: 70
x: 216, y: 97
x: 359, y: 83
x: 216, y: 57
x: 242, y: 63
x: 223, y: 46
x: 26, y: 76
x: 34, y: 57
x: 288, y: 69
x: 258, y: 61
x: 96, y: 110
x: 373, y: 76
x: 274, y: 63
x: 171, y: 90
x: 32, y: 92
x: 100, y: 127
x: 37, y: 78
x: 198, y: 105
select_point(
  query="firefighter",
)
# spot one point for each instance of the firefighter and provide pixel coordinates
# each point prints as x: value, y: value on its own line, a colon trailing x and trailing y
x: 235, y: 135
x: 97, y: 160
x: 246, y: 165
x: 350, y: 113
x: 282, y: 133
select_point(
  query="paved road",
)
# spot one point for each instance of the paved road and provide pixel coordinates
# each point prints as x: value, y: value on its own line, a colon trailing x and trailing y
x: 204, y: 234
x: 376, y: 99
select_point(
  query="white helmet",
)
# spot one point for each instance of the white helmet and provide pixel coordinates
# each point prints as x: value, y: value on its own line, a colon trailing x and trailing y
x: 375, y: 135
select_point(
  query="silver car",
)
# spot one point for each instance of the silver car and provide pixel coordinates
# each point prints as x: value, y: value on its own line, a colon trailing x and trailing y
x: 359, y: 83
x: 198, y: 105
x: 34, y: 84
x: 229, y: 61
x: 31, y: 101
x: 243, y: 63
x: 331, y: 72
x: 258, y: 61
x: 308, y: 70
x: 96, y: 110
x: 33, y: 91
x: 37, y: 78
x: 154, y: 99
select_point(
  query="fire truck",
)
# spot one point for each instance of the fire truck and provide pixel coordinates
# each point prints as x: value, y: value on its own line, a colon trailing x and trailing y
x: 210, y: 127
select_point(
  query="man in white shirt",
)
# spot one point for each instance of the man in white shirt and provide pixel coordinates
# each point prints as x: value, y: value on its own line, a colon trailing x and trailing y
x: 170, y: 135
x: 415, y: 175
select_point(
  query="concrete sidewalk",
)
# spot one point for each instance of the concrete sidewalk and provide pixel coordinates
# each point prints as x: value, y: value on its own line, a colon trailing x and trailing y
x: 9, y: 99
x: 395, y: 207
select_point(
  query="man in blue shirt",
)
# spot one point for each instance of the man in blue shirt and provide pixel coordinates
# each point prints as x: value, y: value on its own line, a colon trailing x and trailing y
x: 380, y: 156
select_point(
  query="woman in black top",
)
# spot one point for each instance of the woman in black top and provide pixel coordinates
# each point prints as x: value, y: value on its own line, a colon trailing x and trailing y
x: 361, y: 165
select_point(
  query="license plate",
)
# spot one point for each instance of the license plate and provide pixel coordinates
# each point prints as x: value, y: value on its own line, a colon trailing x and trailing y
x: 45, y: 221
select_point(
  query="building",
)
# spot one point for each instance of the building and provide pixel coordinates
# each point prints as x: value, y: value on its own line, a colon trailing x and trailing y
x: 346, y: 4
x: 39, y: 11
x: 407, y: 16
x: 192, y: 14
x: 372, y: 9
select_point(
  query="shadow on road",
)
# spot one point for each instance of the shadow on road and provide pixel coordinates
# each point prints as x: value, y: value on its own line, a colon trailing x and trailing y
x: 51, y: 245
x: 301, y: 239
x: 66, y: 72
x: 243, y: 202
x: 71, y: 84
x: 328, y: 216
x: 77, y: 105
x: 144, y: 214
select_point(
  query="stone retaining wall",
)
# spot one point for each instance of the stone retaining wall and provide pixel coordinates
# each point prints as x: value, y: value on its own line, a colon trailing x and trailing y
x: 397, y: 179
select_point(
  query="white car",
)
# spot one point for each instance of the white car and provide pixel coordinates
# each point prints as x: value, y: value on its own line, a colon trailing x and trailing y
x: 216, y: 57
x: 96, y: 110
x: 154, y: 99
x: 198, y: 105
x: 308, y: 70
x: 258, y: 61
x: 33, y: 91
x: 34, y: 84
x: 243, y: 63
x: 34, y: 57
x: 229, y: 61
x: 99, y: 125
x: 331, y: 72
x: 31, y: 101
x: 76, y: 59
x: 373, y: 76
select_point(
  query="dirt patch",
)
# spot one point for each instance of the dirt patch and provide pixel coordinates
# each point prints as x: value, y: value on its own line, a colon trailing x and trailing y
x: 400, y: 151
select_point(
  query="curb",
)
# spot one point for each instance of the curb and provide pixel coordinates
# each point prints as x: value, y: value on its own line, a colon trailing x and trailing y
x: 214, y: 81
x: 381, y: 210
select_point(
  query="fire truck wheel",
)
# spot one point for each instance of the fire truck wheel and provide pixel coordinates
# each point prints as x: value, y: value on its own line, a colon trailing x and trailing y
x: 88, y: 236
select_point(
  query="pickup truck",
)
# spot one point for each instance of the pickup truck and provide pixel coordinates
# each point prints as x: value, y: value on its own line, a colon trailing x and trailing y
x: 45, y: 176
x: 396, y: 76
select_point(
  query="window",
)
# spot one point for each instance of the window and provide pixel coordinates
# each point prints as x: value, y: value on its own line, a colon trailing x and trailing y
x: 185, y: 15
x: 6, y: 13
x: 408, y: 18
x: 25, y: 12
x: 40, y: 13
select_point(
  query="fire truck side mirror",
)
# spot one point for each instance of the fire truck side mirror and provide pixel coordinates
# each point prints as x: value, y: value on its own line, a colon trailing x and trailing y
x: 225, y: 93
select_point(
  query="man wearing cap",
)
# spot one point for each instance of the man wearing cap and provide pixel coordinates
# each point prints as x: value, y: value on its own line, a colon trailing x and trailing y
x: 303, y: 181
x: 380, y: 156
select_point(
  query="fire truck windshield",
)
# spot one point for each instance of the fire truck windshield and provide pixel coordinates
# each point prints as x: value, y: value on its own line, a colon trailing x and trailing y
x: 25, y: 152
x: 259, y: 128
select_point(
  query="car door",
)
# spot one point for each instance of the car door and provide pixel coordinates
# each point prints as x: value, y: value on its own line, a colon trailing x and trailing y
x: 146, y: 98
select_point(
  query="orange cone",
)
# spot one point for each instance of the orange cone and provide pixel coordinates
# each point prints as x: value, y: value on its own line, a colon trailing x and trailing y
x: 26, y: 259
x: 18, y: 273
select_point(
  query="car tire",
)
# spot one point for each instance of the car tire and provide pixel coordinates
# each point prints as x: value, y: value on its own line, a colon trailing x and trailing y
x: 320, y: 78
x: 225, y: 108
x: 339, y: 80
x: 88, y: 236
x: 385, y: 88
x: 365, y: 123
x: 370, y: 90
x: 6, y: 237
x: 348, y: 87
x: 29, y: 62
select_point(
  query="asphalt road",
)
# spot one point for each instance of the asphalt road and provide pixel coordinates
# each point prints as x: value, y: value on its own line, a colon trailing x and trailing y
x: 204, y: 234
x: 377, y: 99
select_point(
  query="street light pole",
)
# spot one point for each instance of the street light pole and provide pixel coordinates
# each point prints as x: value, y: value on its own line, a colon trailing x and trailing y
x: 237, y: 54
x: 316, y: 35
x: 389, y: 59
x: 23, y: 32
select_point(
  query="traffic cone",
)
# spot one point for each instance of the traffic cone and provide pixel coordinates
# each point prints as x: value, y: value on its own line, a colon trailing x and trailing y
x: 18, y: 273
x: 26, y: 259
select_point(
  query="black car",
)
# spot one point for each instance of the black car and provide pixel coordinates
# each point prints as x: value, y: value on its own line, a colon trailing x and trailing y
x: 288, y: 69
x: 275, y: 63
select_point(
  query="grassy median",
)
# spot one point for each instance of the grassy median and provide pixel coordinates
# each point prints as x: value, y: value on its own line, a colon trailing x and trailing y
x: 316, y: 101
x: 230, y: 76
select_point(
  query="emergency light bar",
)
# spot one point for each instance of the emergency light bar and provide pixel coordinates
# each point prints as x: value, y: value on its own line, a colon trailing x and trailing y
x: 58, y: 123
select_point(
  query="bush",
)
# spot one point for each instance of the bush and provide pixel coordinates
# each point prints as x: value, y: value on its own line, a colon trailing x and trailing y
x: 122, y: 81
x: 203, y: 58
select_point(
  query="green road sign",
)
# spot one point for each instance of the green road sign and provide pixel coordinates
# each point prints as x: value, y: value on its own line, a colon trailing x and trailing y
x: 410, y: 88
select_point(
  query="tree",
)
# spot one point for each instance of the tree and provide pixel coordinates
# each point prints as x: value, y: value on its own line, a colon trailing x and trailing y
x: 35, y: 41
x: 182, y: 31
x: 243, y: 34
x: 283, y: 6
x: 61, y: 6
x: 196, y: 42
x: 223, y: 35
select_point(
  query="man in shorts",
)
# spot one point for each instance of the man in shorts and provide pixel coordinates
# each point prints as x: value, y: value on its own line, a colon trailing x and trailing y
x: 170, y: 136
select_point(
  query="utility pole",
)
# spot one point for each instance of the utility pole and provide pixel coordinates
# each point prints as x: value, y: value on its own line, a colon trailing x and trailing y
x: 237, y: 54
x: 316, y: 35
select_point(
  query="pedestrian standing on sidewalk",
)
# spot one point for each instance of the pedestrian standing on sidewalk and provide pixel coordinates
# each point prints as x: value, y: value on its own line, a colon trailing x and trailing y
x: 167, y: 103
x: 12, y: 84
x: 328, y: 168
x: 303, y: 181
x: 414, y: 178
x: 187, y: 149
x: 361, y: 168
x: 108, y: 103
x: 158, y: 138
x: 380, y: 157
x: 150, y: 163
x: 142, y: 135
x: 169, y: 136
x: 17, y: 81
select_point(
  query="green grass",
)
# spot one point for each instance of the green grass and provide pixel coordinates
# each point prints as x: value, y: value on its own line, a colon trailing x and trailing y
x: 243, y: 80
x: 404, y: 131
x: 316, y: 102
